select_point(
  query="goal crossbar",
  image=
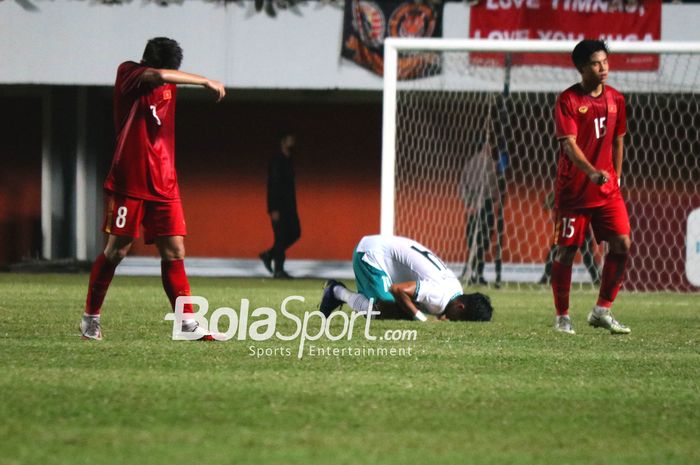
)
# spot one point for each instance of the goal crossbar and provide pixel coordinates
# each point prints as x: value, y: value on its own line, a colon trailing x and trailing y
x: 533, y: 46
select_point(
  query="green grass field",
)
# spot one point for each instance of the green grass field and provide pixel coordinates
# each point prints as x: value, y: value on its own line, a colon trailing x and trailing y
x: 506, y: 392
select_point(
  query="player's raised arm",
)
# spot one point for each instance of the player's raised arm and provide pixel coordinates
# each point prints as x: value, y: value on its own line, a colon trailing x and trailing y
x: 404, y: 293
x: 575, y: 154
x: 158, y: 77
x: 138, y: 194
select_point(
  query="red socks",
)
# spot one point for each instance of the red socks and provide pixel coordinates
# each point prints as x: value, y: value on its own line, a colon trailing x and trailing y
x: 175, y: 281
x: 611, y: 279
x: 561, y: 285
x: 100, y: 278
x: 173, y: 274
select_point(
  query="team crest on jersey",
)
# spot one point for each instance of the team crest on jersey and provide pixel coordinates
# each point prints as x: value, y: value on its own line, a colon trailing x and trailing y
x: 167, y: 94
x: 583, y: 109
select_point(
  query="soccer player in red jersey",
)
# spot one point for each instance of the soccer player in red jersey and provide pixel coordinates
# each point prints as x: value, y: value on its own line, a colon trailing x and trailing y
x: 590, y: 126
x: 141, y: 187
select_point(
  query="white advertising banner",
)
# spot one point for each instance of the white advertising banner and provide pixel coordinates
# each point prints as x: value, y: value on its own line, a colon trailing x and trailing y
x: 692, y: 254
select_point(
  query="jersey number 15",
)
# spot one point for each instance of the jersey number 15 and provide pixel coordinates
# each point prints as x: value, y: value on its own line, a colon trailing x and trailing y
x: 600, y: 128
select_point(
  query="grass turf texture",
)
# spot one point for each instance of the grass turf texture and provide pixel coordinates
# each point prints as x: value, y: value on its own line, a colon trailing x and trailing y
x: 510, y: 391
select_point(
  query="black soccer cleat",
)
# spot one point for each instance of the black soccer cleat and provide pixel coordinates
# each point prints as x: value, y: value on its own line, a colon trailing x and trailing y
x: 329, y: 302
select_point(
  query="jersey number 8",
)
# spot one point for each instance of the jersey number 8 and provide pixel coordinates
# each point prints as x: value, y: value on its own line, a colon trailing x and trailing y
x: 120, y: 221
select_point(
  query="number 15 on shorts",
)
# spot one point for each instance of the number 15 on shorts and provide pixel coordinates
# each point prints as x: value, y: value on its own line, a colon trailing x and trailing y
x: 567, y: 228
x: 570, y: 231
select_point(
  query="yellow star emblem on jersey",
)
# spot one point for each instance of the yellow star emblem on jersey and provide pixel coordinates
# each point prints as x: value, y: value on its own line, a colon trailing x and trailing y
x: 582, y: 109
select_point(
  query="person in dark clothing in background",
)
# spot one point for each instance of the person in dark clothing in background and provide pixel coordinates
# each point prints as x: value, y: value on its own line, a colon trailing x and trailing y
x: 281, y: 206
x: 481, y: 194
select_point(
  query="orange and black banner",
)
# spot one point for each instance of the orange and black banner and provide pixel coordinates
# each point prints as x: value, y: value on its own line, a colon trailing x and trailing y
x: 367, y: 24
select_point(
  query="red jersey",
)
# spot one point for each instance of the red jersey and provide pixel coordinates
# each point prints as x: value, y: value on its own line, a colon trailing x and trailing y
x: 595, y: 122
x: 144, y: 120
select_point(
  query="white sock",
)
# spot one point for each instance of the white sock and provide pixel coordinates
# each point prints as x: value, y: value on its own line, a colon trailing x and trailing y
x: 357, y: 302
x: 600, y: 310
x: 342, y: 293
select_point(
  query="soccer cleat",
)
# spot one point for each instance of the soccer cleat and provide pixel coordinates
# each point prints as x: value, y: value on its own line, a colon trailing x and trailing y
x: 563, y: 325
x: 202, y: 334
x: 267, y: 260
x: 90, y: 328
x: 329, y: 301
x: 282, y: 275
x: 607, y: 320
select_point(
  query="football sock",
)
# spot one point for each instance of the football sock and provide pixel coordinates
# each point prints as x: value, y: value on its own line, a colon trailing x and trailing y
x: 611, y: 279
x: 175, y: 282
x: 100, y: 278
x: 598, y: 310
x: 561, y: 285
x: 356, y: 301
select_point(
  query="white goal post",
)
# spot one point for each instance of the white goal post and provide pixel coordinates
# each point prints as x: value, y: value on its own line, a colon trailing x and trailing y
x: 421, y: 114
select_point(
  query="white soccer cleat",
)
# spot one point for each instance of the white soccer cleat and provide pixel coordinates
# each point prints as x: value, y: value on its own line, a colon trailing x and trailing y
x: 605, y: 319
x: 200, y: 333
x: 90, y: 327
x: 563, y: 325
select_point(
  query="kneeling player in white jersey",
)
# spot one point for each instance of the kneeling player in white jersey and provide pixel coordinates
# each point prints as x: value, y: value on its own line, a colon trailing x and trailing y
x: 406, y: 280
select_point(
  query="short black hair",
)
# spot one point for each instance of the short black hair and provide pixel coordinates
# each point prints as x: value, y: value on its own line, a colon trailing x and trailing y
x: 162, y: 53
x: 477, y: 307
x: 581, y: 54
x: 283, y: 133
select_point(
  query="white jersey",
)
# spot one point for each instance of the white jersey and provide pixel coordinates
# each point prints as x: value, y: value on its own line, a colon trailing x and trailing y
x: 403, y: 260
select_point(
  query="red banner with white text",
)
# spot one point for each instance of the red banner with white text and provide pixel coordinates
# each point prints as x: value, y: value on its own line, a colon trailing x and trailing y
x: 567, y: 20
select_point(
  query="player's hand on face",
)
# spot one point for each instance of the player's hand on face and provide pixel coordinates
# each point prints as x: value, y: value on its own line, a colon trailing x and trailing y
x: 218, y: 89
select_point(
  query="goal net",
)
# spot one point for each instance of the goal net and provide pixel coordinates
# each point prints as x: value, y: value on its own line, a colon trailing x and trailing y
x: 469, y: 155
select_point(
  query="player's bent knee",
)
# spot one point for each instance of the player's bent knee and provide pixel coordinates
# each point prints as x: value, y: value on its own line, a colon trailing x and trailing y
x: 621, y: 245
x: 565, y: 255
x: 172, y: 254
x: 116, y: 255
x: 117, y: 248
x: 171, y: 248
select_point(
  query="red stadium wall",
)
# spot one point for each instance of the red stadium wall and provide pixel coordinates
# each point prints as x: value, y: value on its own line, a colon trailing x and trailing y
x: 222, y: 164
x: 20, y: 179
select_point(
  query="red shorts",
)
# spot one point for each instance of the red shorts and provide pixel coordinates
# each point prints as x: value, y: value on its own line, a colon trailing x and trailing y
x: 607, y: 221
x: 124, y: 215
